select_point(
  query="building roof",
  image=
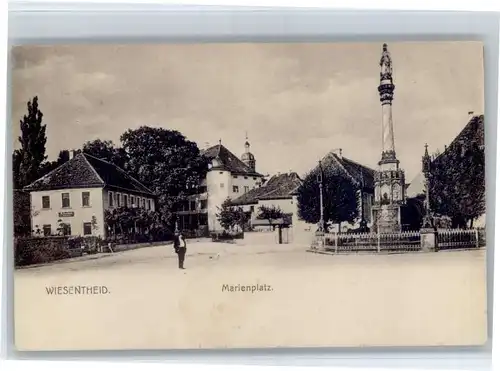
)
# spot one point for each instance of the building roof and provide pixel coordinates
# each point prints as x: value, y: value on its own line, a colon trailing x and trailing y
x: 86, y: 171
x: 473, y: 131
x: 359, y: 173
x: 228, y: 161
x: 416, y: 186
x: 281, y: 186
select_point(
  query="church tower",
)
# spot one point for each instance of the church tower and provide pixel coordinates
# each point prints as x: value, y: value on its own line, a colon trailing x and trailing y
x: 248, y: 158
x: 389, y: 179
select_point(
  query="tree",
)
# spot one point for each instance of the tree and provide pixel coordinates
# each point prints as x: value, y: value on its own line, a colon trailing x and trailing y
x: 22, y: 210
x: 230, y: 216
x: 340, y: 197
x: 130, y: 221
x: 412, y: 213
x: 457, y: 179
x: 105, y: 150
x: 270, y: 213
x: 166, y: 162
x: 28, y: 159
x: 48, y: 166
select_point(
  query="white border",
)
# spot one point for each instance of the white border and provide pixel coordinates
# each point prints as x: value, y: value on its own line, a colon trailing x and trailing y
x: 435, y: 363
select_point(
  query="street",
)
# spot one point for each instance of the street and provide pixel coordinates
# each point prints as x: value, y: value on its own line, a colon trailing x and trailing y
x: 237, y: 295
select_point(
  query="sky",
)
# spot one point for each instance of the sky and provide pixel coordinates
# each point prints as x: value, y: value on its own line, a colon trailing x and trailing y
x: 295, y: 101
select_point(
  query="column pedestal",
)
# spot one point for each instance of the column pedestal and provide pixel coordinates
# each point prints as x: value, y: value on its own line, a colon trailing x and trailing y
x: 320, y: 240
x: 428, y: 240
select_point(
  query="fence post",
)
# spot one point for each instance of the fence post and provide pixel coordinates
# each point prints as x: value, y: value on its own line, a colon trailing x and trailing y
x: 378, y: 241
x: 336, y: 242
x: 477, y: 237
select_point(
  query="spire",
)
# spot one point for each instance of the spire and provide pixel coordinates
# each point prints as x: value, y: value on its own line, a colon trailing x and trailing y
x: 247, y: 144
x: 426, y: 161
x: 247, y: 157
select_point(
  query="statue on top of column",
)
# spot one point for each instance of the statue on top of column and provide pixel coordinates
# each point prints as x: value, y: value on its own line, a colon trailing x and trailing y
x: 385, y: 64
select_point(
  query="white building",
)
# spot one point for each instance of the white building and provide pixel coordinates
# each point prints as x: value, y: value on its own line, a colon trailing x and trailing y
x: 227, y: 177
x: 74, y: 196
x: 280, y: 191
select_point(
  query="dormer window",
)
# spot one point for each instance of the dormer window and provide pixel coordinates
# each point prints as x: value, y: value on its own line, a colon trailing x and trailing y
x: 215, y: 162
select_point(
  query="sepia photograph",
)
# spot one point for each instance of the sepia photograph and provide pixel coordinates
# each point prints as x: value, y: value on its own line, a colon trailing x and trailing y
x: 248, y: 195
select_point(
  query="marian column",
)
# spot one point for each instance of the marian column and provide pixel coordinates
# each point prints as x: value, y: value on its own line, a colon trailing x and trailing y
x: 389, y: 179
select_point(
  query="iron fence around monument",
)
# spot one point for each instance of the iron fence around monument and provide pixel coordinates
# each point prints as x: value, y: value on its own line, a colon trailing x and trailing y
x: 373, y: 242
x: 407, y: 241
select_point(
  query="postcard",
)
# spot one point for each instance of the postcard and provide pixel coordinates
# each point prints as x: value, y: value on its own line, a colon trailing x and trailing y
x: 248, y: 195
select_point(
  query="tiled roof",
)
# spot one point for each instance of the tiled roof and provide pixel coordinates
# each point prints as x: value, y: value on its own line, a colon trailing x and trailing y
x: 472, y: 132
x: 279, y: 186
x: 86, y: 171
x: 359, y: 173
x: 228, y: 161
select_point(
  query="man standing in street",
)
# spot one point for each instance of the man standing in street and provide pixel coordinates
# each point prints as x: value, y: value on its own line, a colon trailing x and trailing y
x: 180, y: 248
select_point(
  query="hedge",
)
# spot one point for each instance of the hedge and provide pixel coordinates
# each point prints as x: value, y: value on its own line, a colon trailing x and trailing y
x: 39, y: 250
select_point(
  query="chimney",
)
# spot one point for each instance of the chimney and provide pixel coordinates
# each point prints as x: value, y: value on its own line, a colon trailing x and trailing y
x: 71, y: 154
x: 471, y: 115
x: 340, y: 152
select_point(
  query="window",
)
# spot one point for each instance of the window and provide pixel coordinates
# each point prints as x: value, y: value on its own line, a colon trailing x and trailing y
x: 236, y: 189
x: 110, y: 199
x: 143, y: 203
x: 47, y: 229
x: 132, y: 201
x: 118, y: 199
x: 65, y: 200
x: 125, y: 200
x: 203, y: 204
x: 46, y: 202
x: 222, y: 185
x: 85, y: 198
x: 66, y: 229
x: 246, y: 189
x: 252, y: 209
x: 254, y: 178
x: 149, y: 204
x: 246, y: 177
x: 192, y: 205
x: 235, y: 176
x: 87, y: 229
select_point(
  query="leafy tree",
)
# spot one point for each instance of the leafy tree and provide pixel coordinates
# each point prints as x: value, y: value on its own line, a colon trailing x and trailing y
x: 48, y: 166
x: 340, y: 199
x: 230, y: 216
x: 105, y: 150
x: 28, y: 159
x: 412, y: 213
x: 93, y: 222
x: 270, y: 213
x: 22, y: 219
x: 457, y: 182
x: 130, y: 221
x: 167, y: 163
